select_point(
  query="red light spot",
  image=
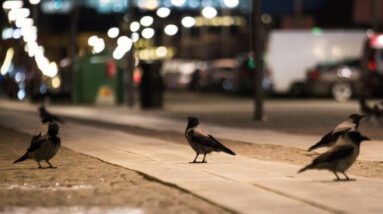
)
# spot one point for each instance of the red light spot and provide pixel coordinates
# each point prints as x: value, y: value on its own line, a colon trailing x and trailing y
x: 372, y: 65
x: 314, y: 75
x: 137, y: 77
x: 111, y: 68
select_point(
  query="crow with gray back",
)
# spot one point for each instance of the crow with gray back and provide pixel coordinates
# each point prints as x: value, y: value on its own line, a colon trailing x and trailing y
x: 340, y: 157
x: 201, y: 141
x: 43, y: 147
x: 351, y: 124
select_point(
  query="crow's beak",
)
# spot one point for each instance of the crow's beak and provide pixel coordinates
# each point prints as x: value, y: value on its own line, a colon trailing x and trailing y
x: 365, y: 138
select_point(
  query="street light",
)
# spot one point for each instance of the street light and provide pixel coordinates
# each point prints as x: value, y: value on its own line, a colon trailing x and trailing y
x: 134, y: 26
x: 18, y: 13
x: 124, y: 41
x: 27, y: 22
x: 146, y: 21
x: 171, y: 30
x: 135, y: 37
x: 163, y: 12
x: 188, y: 21
x: 34, y: 2
x: 8, y: 5
x: 209, y: 12
x: 178, y: 3
x: 231, y: 3
x: 147, y: 33
x: 92, y: 40
x: 113, y: 32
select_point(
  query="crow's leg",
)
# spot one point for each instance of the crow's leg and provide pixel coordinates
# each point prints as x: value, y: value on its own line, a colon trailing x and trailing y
x: 204, y: 156
x: 347, y: 178
x: 38, y: 162
x: 337, y: 177
x: 195, y: 159
x: 50, y: 165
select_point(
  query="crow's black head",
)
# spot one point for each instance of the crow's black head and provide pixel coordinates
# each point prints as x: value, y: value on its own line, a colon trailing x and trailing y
x: 192, y: 122
x: 46, y: 120
x: 42, y: 108
x: 357, y: 138
x: 356, y: 118
x: 53, y: 129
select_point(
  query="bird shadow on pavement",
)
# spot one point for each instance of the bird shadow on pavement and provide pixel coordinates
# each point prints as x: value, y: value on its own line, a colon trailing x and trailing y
x: 335, y: 181
x: 198, y: 162
x: 31, y: 168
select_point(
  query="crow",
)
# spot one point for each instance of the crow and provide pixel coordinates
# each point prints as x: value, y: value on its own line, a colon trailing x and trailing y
x: 43, y: 147
x: 374, y: 112
x: 351, y: 124
x: 47, y: 116
x: 340, y: 157
x: 364, y: 108
x: 201, y: 141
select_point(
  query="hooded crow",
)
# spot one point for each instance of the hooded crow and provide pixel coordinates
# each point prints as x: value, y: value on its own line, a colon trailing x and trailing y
x: 340, y: 157
x: 364, y: 107
x: 47, y: 116
x: 351, y: 124
x: 201, y: 141
x: 43, y: 147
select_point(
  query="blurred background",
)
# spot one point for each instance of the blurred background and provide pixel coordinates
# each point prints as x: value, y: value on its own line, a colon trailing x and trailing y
x: 110, y: 52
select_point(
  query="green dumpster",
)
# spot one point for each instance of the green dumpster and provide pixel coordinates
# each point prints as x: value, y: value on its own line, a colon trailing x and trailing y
x: 98, y: 80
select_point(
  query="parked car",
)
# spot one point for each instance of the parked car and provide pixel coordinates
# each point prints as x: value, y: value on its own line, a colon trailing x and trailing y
x: 182, y: 73
x: 244, y: 82
x: 337, y: 79
x: 236, y: 75
x: 222, y: 74
x: 372, y: 65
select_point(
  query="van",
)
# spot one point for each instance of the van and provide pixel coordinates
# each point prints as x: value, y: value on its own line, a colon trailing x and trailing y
x: 289, y: 53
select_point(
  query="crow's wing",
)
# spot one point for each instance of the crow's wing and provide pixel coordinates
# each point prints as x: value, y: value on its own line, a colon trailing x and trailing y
x: 338, y: 153
x: 329, y: 139
x: 36, y: 143
x: 344, y: 126
x: 208, y: 141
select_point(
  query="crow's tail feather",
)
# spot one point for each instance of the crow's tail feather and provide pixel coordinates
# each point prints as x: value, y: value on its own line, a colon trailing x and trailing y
x: 227, y: 150
x: 305, y: 168
x: 22, y: 158
x: 317, y: 145
x: 220, y: 147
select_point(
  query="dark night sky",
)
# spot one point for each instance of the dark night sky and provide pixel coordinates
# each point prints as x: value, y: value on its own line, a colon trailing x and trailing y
x: 282, y: 7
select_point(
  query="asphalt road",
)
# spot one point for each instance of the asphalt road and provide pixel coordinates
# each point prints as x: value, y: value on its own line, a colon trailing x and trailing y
x: 297, y: 116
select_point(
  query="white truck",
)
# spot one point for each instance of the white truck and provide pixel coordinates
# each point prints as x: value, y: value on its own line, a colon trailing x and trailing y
x: 290, y: 53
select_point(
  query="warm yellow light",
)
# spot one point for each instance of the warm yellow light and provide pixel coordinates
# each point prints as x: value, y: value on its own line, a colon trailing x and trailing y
x: 161, y: 51
x: 7, y: 61
x: 151, y: 4
x: 56, y: 82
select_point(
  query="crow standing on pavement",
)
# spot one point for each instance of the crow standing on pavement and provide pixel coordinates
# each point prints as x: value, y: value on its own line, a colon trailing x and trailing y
x: 340, y: 157
x: 201, y: 141
x: 374, y: 112
x: 43, y: 129
x: 43, y: 147
x: 351, y: 124
x: 47, y: 116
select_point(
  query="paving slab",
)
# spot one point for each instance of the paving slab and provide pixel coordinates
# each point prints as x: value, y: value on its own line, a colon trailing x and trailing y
x: 241, y: 184
x: 370, y: 151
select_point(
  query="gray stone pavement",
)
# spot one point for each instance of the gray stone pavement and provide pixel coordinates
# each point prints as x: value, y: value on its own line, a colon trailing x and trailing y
x: 242, y: 184
x: 371, y: 150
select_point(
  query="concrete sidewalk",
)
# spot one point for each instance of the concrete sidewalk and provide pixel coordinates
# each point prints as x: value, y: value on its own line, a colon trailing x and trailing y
x: 238, y: 183
x: 371, y: 151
